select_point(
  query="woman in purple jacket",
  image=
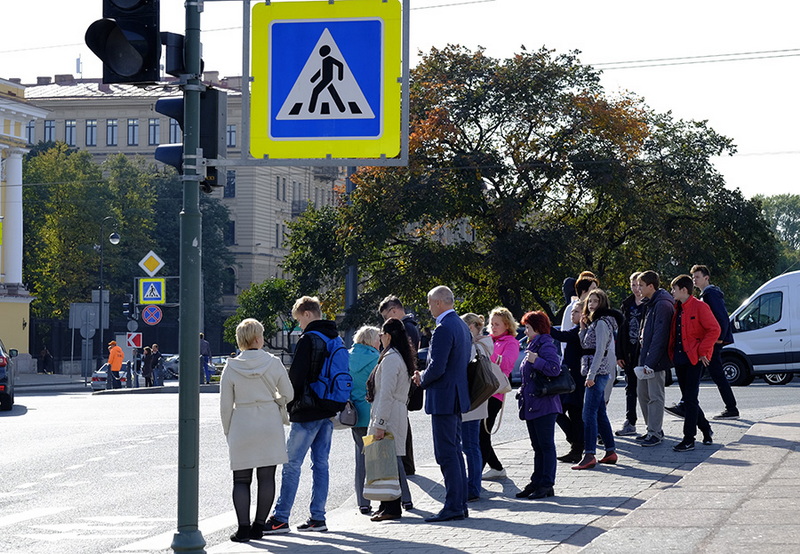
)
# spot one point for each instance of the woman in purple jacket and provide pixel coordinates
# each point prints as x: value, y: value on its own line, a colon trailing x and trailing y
x: 539, y: 412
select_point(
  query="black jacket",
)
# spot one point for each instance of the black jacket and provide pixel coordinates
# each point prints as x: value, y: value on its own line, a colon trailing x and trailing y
x: 655, y: 331
x: 713, y: 296
x: 628, y: 335
x: 309, y: 356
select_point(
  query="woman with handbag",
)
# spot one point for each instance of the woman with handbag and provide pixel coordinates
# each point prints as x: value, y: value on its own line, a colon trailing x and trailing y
x: 539, y: 412
x: 387, y: 387
x: 472, y: 421
x: 253, y: 388
x: 503, y: 329
x: 598, y: 364
x: 363, y: 359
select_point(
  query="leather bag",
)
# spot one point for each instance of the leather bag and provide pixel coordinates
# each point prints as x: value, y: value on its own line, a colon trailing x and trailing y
x: 544, y: 385
x: 481, y: 380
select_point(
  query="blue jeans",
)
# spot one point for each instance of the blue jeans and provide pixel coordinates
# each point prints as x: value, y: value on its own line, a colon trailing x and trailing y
x: 595, y: 417
x: 315, y: 435
x: 471, y: 445
x: 541, y: 431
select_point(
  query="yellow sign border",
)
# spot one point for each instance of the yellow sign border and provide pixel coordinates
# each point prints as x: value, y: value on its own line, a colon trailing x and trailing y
x: 161, y: 280
x: 388, y: 144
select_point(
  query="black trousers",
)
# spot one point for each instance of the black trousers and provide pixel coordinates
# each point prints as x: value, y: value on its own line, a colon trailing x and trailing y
x: 631, y: 382
x: 487, y: 452
x: 689, y: 382
x: 715, y: 370
x: 571, y: 422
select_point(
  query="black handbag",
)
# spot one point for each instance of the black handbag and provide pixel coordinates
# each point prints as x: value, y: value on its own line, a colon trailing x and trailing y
x: 543, y: 385
x: 481, y: 380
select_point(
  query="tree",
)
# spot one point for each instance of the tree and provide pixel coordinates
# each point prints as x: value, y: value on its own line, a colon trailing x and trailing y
x: 270, y: 303
x: 523, y: 171
x: 782, y: 211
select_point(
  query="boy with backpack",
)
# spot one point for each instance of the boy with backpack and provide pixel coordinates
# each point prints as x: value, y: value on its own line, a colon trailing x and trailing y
x: 320, y: 391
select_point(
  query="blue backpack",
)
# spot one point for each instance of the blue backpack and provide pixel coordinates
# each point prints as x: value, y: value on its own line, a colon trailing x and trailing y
x: 334, y: 383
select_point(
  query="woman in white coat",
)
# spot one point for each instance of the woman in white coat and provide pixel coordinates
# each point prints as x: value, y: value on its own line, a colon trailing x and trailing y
x: 390, y: 382
x: 253, y: 386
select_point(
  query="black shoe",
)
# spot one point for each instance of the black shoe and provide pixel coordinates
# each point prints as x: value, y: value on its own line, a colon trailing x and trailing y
x: 570, y: 457
x: 707, y: 438
x: 313, y: 525
x: 684, y: 446
x: 529, y: 489
x: 242, y: 534
x: 442, y: 516
x: 257, y: 531
x: 728, y: 414
x: 542, y: 493
x: 473, y: 498
x: 365, y: 510
x: 273, y: 527
x: 466, y: 513
x: 600, y: 440
x: 652, y: 440
x: 408, y: 506
x: 676, y: 410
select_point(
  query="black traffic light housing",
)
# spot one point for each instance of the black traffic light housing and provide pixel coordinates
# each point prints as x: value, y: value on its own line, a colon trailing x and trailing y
x: 213, y: 126
x: 129, y: 308
x: 127, y: 40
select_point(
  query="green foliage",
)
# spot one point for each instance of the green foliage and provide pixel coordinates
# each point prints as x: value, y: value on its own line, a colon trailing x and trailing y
x: 524, y: 171
x: 270, y: 303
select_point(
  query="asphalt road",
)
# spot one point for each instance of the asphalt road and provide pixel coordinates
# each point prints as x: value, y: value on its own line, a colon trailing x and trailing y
x: 98, y: 473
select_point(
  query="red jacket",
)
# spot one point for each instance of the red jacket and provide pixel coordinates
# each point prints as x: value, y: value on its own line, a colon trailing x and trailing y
x: 700, y: 330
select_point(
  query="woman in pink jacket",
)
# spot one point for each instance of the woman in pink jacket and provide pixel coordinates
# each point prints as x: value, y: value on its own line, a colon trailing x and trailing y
x: 503, y: 329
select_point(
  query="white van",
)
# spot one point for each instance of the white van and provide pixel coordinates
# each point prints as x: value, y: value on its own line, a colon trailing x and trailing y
x: 766, y: 334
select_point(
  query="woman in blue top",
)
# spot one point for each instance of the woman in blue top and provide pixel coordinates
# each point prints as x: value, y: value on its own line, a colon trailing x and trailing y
x: 539, y: 412
x: 363, y: 359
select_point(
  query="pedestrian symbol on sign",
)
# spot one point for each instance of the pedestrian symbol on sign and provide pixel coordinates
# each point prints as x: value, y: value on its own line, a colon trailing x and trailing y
x: 325, y: 88
x: 152, y: 293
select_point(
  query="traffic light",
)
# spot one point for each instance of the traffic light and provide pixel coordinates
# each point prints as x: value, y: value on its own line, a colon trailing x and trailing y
x: 213, y: 126
x: 129, y: 308
x: 127, y: 40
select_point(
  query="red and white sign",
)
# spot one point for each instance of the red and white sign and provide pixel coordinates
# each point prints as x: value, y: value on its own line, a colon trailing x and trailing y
x: 134, y: 340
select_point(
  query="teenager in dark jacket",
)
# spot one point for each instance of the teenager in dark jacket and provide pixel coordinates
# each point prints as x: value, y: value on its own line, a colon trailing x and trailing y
x: 571, y: 420
x: 628, y: 347
x: 654, y: 355
x: 311, y: 426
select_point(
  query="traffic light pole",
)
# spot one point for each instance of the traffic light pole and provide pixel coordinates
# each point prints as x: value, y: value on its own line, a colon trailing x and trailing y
x: 189, y: 538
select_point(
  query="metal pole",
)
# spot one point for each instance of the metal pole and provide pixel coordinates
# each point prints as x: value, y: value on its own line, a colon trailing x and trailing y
x: 351, y: 278
x: 189, y: 538
x: 109, y: 377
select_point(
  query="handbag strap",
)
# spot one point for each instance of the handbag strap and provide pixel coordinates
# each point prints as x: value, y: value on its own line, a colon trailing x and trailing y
x: 273, y: 392
x: 496, y: 427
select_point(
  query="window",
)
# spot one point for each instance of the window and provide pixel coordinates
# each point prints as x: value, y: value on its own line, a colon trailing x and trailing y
x: 283, y: 190
x: 49, y: 130
x: 91, y: 132
x: 175, y: 135
x: 69, y: 132
x: 229, y: 281
x: 277, y: 188
x: 231, y: 136
x: 229, y: 236
x: 133, y: 132
x: 153, y: 129
x: 111, y: 132
x: 761, y: 312
x: 277, y: 235
x: 30, y: 131
x: 230, y: 185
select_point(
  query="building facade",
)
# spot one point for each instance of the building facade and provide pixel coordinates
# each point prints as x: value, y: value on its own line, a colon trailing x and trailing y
x: 108, y: 119
x: 16, y: 113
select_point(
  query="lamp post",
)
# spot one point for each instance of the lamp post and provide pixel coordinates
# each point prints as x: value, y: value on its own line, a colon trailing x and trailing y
x: 113, y: 238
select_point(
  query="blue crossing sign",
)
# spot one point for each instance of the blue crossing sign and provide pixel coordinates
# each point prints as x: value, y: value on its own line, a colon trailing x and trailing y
x: 326, y: 79
x: 152, y: 291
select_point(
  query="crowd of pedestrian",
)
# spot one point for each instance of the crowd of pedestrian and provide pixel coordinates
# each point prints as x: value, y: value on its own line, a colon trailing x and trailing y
x: 651, y: 333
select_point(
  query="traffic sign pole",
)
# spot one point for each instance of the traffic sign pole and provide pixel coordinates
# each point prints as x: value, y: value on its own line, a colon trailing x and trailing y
x: 189, y: 538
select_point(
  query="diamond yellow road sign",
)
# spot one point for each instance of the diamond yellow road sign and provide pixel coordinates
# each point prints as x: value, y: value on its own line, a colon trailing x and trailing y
x: 327, y: 79
x: 151, y: 264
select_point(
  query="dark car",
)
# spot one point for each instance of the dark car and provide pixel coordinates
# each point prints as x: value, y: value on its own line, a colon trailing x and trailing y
x: 7, y: 373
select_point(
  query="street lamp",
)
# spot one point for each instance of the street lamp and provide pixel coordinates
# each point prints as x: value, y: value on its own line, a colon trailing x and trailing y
x: 113, y: 238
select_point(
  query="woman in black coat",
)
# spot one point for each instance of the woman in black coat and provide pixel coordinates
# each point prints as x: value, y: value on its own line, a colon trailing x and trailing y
x: 571, y: 420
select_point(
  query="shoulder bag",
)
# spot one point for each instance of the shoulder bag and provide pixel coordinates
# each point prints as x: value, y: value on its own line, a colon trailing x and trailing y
x: 563, y: 383
x: 481, y: 380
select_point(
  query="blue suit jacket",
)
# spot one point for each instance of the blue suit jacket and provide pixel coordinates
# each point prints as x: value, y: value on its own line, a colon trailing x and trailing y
x: 445, y: 378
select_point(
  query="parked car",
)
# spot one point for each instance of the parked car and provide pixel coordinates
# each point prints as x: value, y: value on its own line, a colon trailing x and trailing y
x: 172, y: 366
x: 766, y: 332
x: 219, y: 363
x: 100, y: 375
x: 8, y: 371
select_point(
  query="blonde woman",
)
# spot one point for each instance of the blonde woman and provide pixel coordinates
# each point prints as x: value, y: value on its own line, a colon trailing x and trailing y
x: 363, y: 359
x: 251, y: 387
x: 503, y: 329
x: 472, y: 421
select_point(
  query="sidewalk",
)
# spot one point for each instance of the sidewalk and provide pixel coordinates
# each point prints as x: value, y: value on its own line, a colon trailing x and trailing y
x: 56, y: 382
x: 739, y: 497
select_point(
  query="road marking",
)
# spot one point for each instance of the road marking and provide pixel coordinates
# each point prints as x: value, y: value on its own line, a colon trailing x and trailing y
x: 101, y: 458
x: 52, y: 475
x: 26, y: 485
x: 164, y: 540
x: 39, y: 513
x: 76, y: 466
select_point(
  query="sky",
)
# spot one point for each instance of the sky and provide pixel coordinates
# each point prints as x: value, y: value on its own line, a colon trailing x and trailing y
x: 734, y: 63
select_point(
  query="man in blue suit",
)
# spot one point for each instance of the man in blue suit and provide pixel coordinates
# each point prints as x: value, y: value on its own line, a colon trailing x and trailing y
x: 445, y: 380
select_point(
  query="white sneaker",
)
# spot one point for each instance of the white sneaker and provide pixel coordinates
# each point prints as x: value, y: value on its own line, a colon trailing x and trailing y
x: 493, y: 474
x: 627, y: 429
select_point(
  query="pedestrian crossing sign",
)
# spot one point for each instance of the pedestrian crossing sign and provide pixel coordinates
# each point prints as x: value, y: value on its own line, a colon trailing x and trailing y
x: 152, y: 291
x: 326, y: 79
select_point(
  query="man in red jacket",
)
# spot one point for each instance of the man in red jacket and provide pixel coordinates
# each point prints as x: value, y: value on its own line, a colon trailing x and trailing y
x: 692, y: 336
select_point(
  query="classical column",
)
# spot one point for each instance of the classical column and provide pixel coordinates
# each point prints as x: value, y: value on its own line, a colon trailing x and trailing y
x: 12, y: 217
